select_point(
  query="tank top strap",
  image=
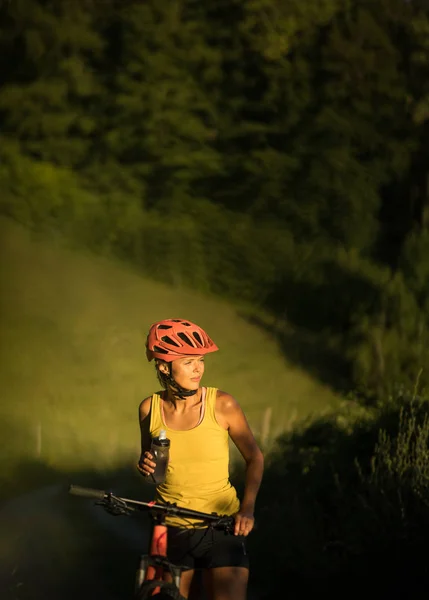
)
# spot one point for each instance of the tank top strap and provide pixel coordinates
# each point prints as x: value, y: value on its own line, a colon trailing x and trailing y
x: 155, y: 414
x: 209, y: 416
x: 211, y: 395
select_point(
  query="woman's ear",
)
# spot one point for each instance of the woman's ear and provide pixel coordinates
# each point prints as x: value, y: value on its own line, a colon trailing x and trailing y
x: 163, y: 367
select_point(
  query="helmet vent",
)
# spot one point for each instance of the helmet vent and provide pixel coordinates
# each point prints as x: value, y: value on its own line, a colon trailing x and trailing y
x: 164, y: 326
x: 160, y: 350
x: 197, y: 337
x: 168, y: 340
x: 185, y: 338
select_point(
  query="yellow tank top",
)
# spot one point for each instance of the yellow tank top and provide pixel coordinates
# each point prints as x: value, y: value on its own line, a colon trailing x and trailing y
x: 198, y: 470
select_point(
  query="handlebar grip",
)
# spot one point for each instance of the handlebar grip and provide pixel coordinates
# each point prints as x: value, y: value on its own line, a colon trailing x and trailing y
x: 76, y: 490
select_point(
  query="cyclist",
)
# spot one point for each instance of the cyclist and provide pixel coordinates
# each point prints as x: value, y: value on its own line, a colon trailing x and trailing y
x: 199, y: 422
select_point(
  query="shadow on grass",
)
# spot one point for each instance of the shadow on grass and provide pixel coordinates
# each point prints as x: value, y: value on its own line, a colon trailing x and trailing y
x: 315, y: 352
x: 55, y: 545
x: 313, y: 305
x: 344, y: 511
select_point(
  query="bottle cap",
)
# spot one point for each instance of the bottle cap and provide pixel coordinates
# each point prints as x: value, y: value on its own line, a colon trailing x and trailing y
x: 162, y: 434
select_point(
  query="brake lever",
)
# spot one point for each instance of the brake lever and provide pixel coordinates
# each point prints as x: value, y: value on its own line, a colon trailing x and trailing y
x: 115, y: 507
x: 226, y: 524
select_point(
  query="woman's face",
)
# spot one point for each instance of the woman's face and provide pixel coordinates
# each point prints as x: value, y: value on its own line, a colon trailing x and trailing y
x: 188, y: 371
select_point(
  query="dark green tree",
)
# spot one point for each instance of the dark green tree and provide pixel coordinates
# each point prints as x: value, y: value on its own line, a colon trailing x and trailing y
x: 161, y: 123
x: 49, y: 91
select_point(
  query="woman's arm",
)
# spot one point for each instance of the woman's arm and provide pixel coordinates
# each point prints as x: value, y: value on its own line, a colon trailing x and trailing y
x: 231, y: 416
x: 145, y: 464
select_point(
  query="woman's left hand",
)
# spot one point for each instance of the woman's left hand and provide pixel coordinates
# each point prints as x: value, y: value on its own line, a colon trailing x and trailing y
x: 244, y: 522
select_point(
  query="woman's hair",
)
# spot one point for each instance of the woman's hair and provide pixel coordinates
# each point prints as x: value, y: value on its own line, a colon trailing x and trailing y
x: 163, y: 378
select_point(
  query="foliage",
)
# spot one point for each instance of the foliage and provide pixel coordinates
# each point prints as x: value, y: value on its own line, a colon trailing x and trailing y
x: 351, y: 495
x: 49, y: 88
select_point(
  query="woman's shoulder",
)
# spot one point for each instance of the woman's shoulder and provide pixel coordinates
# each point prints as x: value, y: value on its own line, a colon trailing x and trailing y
x: 145, y: 405
x: 226, y: 408
x: 225, y: 401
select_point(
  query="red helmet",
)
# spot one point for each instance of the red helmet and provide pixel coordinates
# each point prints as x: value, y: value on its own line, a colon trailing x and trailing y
x: 174, y: 338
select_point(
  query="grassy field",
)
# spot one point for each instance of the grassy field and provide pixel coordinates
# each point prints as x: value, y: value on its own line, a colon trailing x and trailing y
x: 72, y: 358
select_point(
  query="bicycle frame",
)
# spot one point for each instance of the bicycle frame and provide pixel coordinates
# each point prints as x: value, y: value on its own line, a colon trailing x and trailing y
x: 154, y: 565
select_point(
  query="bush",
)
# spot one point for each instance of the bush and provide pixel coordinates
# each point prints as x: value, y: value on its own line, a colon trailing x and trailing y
x: 43, y: 196
x: 345, y: 498
x: 46, y: 197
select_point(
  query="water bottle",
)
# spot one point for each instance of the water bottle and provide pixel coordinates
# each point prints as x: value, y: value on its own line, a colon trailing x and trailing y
x: 160, y: 450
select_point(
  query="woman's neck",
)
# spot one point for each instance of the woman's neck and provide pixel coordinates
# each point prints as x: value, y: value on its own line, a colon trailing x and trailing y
x: 182, y: 404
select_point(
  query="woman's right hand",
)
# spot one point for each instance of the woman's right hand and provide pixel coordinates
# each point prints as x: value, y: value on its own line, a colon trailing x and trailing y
x: 146, y: 465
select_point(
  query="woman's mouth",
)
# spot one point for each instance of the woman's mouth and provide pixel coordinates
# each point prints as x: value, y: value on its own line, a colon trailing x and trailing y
x: 195, y: 378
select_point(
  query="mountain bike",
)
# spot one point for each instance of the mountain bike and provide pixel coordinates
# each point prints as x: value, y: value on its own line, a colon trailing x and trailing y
x: 156, y: 576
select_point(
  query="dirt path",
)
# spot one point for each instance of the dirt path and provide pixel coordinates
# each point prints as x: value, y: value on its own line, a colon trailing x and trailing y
x: 51, y: 549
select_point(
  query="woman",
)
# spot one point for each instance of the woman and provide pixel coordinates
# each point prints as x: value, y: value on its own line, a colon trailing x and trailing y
x: 198, y: 421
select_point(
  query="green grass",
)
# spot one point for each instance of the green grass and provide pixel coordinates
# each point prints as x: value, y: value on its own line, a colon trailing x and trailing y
x: 72, y: 357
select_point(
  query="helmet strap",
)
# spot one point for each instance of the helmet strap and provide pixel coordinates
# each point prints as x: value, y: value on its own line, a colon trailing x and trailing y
x: 176, y: 389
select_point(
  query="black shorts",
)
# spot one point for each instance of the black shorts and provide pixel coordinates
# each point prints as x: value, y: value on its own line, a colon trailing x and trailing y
x: 206, y: 548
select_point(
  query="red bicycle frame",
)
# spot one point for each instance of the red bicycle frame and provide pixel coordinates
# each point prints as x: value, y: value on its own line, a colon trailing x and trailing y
x: 155, y: 565
x: 158, y: 548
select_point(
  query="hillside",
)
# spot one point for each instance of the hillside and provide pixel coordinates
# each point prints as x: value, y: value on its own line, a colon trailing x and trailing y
x: 73, y: 366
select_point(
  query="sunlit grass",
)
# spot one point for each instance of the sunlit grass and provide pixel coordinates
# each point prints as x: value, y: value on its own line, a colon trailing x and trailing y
x: 73, y: 366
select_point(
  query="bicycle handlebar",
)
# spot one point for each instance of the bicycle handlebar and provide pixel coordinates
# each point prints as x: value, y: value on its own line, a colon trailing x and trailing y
x: 76, y: 490
x: 126, y: 505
